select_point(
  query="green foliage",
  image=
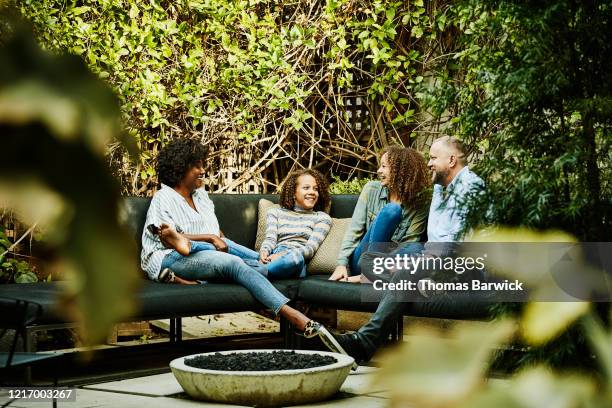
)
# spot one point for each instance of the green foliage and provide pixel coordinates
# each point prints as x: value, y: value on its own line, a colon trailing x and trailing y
x: 243, y: 69
x: 352, y: 186
x: 11, y: 269
x: 532, y: 87
x: 17, y: 271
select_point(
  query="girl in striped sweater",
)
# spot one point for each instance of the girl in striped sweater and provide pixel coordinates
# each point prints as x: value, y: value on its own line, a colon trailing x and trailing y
x: 295, y: 231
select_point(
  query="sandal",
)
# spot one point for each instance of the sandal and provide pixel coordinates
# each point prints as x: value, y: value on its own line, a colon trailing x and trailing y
x: 313, y: 329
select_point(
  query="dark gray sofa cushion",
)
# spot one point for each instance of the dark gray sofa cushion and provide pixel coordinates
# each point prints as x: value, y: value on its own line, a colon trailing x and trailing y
x: 351, y: 296
x: 160, y: 300
x: 43, y: 293
x: 156, y: 300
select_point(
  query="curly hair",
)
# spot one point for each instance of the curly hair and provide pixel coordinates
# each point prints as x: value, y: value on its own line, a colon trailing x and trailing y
x: 287, y: 194
x: 408, y: 176
x: 177, y: 157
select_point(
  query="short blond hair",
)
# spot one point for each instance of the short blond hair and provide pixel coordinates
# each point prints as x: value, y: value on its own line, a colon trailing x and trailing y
x: 454, y: 144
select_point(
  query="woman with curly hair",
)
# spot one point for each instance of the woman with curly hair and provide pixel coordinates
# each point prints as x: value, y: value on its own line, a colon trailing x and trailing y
x: 296, y: 229
x: 390, y: 210
x: 181, y: 218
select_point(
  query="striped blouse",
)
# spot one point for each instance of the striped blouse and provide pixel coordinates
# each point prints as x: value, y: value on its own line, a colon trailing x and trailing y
x: 300, y: 230
x: 169, y: 207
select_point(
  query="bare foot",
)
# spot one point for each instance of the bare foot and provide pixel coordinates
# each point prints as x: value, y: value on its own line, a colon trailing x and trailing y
x: 172, y: 239
x: 182, y: 281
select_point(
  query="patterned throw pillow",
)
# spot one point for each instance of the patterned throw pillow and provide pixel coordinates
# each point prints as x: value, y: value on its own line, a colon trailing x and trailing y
x: 324, y: 260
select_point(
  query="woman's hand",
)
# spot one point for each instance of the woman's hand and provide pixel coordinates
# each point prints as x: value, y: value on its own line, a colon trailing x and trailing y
x: 220, y: 245
x: 340, y: 273
x: 354, y: 279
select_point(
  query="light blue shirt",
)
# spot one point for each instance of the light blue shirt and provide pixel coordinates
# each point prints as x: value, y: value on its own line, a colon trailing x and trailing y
x: 449, y: 207
x: 169, y: 207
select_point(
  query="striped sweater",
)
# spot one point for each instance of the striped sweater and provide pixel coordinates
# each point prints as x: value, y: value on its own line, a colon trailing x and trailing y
x: 300, y: 230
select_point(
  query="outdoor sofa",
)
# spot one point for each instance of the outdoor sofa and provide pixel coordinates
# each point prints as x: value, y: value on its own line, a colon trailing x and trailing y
x: 238, y: 218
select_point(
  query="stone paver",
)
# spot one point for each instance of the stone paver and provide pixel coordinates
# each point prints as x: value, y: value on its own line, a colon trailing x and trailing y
x: 160, y: 391
x: 89, y: 398
x: 226, y: 324
x: 155, y: 385
x: 352, y: 402
x: 359, y: 382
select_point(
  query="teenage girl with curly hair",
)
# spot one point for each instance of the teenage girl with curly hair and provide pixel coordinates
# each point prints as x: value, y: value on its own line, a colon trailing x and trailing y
x: 295, y: 231
x: 390, y: 210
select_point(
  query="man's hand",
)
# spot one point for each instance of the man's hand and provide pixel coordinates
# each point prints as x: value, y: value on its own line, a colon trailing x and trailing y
x: 340, y: 273
x: 219, y: 244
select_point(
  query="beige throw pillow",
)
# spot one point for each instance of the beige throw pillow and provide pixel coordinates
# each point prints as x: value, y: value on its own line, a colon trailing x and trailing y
x: 262, y: 209
x: 324, y: 260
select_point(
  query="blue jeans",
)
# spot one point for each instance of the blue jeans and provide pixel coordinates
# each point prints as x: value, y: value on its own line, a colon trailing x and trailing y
x: 380, y: 231
x: 212, y: 265
x: 409, y: 248
x: 249, y: 256
x: 289, y: 265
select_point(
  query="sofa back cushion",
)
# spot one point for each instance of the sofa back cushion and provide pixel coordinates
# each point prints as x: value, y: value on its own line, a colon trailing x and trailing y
x: 133, y: 214
x: 237, y: 215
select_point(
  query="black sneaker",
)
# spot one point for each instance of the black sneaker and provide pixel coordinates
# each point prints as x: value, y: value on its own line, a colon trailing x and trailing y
x: 424, y: 287
x: 353, y: 345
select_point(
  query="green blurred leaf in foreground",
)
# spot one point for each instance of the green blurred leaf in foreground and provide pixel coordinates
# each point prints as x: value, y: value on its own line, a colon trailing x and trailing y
x: 56, y: 118
x: 436, y: 368
x: 538, y: 387
x: 533, y: 267
x: 543, y: 321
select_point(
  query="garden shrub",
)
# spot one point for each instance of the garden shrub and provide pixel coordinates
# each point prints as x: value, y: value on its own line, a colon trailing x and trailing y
x: 272, y: 84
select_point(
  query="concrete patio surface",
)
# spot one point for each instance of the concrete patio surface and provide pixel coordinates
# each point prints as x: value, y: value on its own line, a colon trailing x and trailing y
x: 163, y: 390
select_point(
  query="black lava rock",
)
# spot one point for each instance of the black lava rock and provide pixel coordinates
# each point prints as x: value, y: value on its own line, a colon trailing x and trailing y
x: 276, y: 360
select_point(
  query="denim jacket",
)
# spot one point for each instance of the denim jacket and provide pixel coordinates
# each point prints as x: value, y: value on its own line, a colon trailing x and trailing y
x: 372, y: 199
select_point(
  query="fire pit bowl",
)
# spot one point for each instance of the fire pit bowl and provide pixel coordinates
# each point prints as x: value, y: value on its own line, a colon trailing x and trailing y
x: 263, y: 388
